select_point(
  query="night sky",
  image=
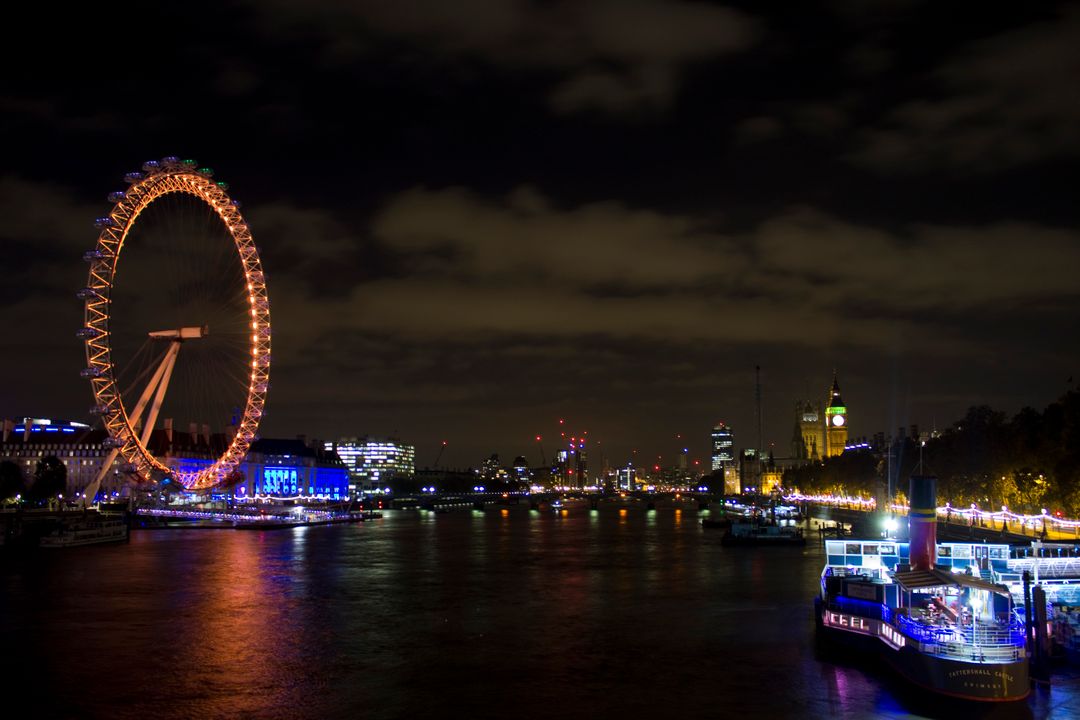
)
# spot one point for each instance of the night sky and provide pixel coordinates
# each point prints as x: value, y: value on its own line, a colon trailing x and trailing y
x: 478, y: 217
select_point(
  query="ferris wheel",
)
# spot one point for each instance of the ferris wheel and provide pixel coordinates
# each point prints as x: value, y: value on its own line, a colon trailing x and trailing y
x: 190, y: 308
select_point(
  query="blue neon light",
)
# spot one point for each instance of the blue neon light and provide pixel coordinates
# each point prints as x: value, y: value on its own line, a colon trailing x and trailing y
x: 863, y: 608
x: 279, y: 481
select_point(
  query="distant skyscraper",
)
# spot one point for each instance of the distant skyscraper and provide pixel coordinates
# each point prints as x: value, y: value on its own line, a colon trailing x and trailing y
x: 723, y: 446
x: 373, y: 461
x: 489, y: 469
x: 750, y: 469
x: 521, y: 469
x: 572, y: 464
x: 836, y: 422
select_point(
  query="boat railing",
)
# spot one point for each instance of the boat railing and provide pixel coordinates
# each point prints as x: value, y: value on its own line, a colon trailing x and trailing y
x: 981, y: 643
x: 864, y: 608
x: 1048, y: 567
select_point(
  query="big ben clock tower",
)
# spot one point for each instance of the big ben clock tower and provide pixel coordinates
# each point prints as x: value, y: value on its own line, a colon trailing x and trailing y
x: 836, y: 422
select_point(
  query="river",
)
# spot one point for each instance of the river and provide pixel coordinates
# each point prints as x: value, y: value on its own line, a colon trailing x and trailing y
x: 507, y: 613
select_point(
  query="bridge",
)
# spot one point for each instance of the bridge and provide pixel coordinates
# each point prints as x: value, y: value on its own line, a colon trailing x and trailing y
x: 482, y: 498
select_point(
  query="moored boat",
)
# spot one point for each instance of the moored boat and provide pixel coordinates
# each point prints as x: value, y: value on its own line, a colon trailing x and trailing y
x: 748, y: 533
x: 942, y: 629
x: 86, y: 528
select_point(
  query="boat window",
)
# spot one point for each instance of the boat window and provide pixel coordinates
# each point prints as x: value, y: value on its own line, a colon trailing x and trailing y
x: 944, y: 551
x: 962, y: 551
x: 888, y: 549
x: 870, y: 549
x: 854, y: 549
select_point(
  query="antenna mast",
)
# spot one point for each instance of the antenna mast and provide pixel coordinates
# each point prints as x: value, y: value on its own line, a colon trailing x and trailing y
x: 760, y: 420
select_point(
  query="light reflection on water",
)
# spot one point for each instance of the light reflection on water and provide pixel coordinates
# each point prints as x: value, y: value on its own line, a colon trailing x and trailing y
x: 508, y: 612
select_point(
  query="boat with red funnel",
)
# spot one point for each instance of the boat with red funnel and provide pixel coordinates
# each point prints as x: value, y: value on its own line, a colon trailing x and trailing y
x: 954, y: 633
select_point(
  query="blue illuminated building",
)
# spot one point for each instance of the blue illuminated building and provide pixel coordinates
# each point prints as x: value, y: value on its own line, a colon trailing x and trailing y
x: 274, y: 468
x: 293, y: 469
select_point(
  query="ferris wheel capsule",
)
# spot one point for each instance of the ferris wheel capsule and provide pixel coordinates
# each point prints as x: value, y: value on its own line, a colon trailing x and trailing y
x: 98, y: 254
x: 88, y: 294
x: 115, y: 197
x: 151, y: 166
x: 133, y: 177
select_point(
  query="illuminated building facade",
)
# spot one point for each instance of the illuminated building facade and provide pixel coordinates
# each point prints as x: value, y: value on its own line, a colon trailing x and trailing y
x: 750, y: 469
x: 520, y: 470
x: 772, y: 478
x: 731, y: 481
x: 572, y: 465
x: 374, y: 461
x: 836, y: 422
x: 279, y: 468
x: 809, y: 441
x: 292, y: 468
x: 723, y: 446
x: 492, y: 471
x: 75, y: 444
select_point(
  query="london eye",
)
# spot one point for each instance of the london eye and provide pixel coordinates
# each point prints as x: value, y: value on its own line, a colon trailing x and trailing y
x: 179, y: 331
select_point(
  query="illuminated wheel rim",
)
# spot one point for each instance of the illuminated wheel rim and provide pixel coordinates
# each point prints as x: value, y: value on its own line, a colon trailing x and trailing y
x: 158, y: 179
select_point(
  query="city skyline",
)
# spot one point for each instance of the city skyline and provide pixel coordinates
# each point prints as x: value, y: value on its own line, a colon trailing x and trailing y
x: 477, y: 223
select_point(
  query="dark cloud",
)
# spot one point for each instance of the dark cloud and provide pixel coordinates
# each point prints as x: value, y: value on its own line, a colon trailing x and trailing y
x: 757, y: 128
x: 870, y: 59
x: 482, y: 216
x: 615, y: 56
x: 994, y: 103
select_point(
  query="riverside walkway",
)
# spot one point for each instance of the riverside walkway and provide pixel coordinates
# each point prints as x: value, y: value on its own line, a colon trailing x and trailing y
x: 972, y: 521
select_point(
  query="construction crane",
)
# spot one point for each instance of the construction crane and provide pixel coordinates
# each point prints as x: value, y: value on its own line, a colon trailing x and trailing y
x: 439, y: 456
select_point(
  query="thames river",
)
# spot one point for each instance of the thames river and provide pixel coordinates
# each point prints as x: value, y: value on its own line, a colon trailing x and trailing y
x: 508, y: 613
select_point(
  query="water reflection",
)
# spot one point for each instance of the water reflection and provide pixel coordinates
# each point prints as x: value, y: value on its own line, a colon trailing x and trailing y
x: 639, y: 611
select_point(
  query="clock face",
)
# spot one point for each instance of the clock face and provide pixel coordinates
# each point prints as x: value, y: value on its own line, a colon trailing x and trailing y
x: 838, y: 420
